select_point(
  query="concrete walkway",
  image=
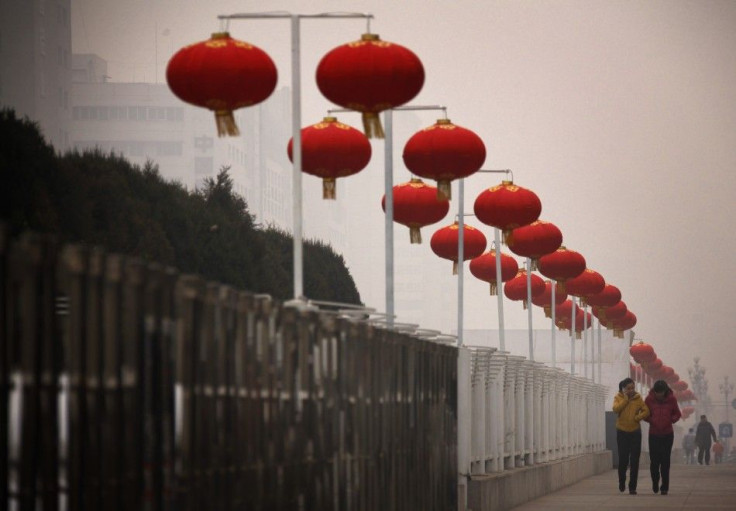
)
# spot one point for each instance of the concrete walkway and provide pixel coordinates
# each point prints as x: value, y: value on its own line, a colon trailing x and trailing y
x: 692, y: 488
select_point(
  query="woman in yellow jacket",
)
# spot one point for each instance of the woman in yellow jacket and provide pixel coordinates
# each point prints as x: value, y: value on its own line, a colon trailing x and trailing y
x: 631, y: 409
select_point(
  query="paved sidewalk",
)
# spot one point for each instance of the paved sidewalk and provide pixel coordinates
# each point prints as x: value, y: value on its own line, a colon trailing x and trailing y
x: 692, y: 488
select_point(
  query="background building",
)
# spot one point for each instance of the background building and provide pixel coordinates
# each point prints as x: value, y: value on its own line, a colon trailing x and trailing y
x: 35, y: 64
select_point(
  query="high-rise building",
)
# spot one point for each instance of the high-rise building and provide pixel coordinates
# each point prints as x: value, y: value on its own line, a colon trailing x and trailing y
x: 35, y: 64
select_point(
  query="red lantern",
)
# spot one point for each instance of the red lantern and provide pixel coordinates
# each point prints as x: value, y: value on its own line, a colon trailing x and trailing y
x: 642, y: 352
x: 673, y: 378
x: 651, y: 366
x: 564, y: 310
x: 535, y: 240
x: 507, y: 206
x: 444, y: 243
x: 222, y: 74
x: 516, y: 288
x: 587, y: 283
x: 416, y: 205
x: 627, y: 322
x: 608, y: 297
x: 609, y: 314
x: 444, y: 151
x: 331, y: 149
x: 370, y: 76
x: 581, y: 318
x: 544, y: 299
x: 561, y: 265
x: 679, y: 386
x: 484, y: 268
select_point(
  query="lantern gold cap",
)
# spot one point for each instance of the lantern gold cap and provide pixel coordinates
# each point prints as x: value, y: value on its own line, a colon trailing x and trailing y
x: 507, y: 182
x: 369, y: 37
x: 220, y: 35
x: 443, y: 121
x: 329, y: 118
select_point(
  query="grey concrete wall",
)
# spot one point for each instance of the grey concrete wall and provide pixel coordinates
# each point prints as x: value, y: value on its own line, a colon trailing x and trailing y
x: 505, y: 490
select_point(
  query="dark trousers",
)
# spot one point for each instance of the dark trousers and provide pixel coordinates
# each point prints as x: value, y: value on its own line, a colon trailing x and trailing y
x: 704, y: 449
x: 660, y: 449
x: 629, y: 450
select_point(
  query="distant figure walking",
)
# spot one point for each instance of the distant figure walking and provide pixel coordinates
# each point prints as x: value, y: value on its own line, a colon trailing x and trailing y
x: 688, y: 445
x: 631, y: 409
x: 717, y: 453
x: 663, y: 413
x: 703, y: 435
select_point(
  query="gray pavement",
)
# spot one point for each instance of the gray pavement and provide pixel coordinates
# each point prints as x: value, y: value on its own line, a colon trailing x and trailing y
x: 692, y: 487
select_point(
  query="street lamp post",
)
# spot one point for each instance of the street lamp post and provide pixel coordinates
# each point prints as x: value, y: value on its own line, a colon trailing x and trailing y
x: 388, y: 129
x: 699, y: 383
x: 296, y: 121
x: 497, y: 242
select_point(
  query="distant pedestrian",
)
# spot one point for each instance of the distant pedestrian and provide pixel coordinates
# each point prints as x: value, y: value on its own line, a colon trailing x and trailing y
x: 688, y: 445
x: 717, y: 453
x: 631, y: 409
x: 703, y: 435
x: 663, y: 413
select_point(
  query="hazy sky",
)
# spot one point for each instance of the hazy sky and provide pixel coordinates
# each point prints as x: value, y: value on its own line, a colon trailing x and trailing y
x: 620, y: 115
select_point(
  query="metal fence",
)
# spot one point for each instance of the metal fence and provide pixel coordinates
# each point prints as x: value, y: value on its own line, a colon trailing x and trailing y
x: 518, y: 413
x: 126, y: 386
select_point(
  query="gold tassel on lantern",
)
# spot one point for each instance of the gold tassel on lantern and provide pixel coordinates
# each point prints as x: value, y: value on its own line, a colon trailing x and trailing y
x: 454, y: 267
x: 444, y: 190
x: 494, y: 288
x: 329, y: 188
x: 415, y: 235
x: 547, y: 312
x: 226, y: 124
x: 561, y: 287
x: 372, y: 125
x: 578, y: 335
x: 535, y: 266
x: 523, y: 303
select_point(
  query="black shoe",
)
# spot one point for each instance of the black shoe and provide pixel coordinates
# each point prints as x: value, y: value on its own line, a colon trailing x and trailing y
x: 664, y: 492
x: 632, y: 492
x: 621, y: 485
x: 655, y: 486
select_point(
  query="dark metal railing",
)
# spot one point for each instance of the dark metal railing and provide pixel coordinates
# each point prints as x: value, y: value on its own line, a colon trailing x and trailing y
x: 127, y: 386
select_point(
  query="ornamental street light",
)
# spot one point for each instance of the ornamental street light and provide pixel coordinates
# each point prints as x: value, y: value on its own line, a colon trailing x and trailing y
x: 296, y: 121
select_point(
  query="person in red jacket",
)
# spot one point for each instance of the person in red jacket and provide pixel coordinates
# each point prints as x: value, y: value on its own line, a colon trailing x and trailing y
x: 663, y: 413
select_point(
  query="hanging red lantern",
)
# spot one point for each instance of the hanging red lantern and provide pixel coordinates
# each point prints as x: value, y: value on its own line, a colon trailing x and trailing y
x: 679, y: 386
x: 587, y: 283
x: 672, y: 378
x: 444, y: 243
x: 608, y: 314
x: 626, y: 322
x: 642, y: 352
x: 561, y: 265
x: 516, y: 288
x: 444, y: 151
x: 222, y: 74
x: 535, y: 240
x: 581, y: 319
x: 652, y: 366
x: 370, y: 76
x: 544, y: 299
x: 608, y: 297
x: 507, y: 206
x: 416, y: 205
x: 331, y: 149
x: 483, y: 267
